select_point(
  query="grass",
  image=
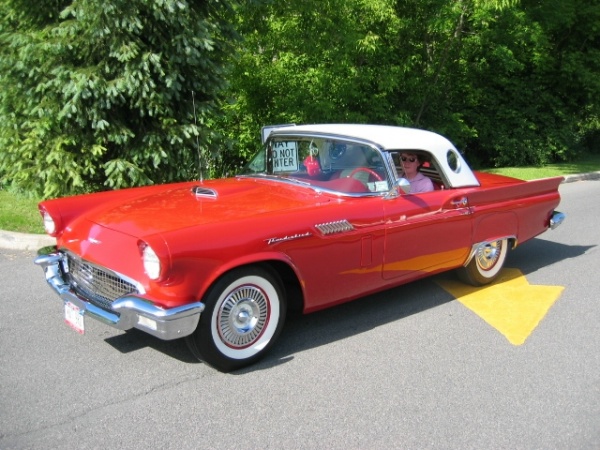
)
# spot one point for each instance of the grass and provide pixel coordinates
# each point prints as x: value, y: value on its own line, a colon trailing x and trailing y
x: 589, y: 163
x: 18, y: 213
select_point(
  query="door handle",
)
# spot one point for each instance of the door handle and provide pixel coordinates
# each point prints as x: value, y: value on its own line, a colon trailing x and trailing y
x: 460, y: 202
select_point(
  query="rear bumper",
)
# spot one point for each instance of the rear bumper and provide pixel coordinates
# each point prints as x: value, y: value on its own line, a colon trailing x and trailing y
x: 129, y: 311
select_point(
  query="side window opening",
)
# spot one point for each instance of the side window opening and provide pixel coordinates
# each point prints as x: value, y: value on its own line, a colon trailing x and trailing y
x: 429, y: 167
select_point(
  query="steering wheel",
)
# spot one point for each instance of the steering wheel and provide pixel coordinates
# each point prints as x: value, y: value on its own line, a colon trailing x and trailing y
x: 367, y: 170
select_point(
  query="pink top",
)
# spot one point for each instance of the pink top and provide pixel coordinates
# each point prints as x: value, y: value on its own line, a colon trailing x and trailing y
x: 420, y: 183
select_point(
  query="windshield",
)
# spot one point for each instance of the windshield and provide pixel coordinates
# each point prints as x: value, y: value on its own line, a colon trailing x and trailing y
x: 337, y: 165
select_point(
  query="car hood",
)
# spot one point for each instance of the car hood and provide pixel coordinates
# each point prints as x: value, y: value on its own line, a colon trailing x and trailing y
x: 192, y: 204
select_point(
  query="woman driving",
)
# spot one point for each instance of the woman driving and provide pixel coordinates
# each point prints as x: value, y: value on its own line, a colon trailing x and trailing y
x: 410, y: 166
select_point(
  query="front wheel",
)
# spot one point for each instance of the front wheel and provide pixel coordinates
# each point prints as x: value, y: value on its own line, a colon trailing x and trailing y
x: 244, y: 314
x: 486, y: 264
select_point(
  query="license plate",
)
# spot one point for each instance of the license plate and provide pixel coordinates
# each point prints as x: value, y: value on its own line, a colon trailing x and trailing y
x: 74, y: 317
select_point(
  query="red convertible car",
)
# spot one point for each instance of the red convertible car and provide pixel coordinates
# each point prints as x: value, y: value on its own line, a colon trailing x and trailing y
x: 322, y: 215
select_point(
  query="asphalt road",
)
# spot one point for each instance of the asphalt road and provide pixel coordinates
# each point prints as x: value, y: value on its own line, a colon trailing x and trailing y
x: 411, y: 368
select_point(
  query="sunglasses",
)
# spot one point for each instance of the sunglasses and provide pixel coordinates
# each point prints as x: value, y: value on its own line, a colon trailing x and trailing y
x: 409, y: 159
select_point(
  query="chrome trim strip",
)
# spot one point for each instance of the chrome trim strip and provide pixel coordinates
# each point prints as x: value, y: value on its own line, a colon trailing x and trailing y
x: 171, y: 323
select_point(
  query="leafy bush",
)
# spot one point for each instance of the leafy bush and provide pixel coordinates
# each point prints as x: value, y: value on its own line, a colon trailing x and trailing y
x: 510, y: 82
x: 115, y: 93
x: 98, y: 94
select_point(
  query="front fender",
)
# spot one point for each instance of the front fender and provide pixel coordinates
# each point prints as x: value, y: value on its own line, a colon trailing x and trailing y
x: 246, y: 260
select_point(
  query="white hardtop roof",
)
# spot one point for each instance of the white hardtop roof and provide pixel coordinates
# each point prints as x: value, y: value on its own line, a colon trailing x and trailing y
x: 387, y: 137
x: 394, y: 138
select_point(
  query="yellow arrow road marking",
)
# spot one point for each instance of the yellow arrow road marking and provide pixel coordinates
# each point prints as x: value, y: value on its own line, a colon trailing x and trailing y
x: 510, y: 304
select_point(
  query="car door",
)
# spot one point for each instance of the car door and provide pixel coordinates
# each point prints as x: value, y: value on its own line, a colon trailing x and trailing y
x: 426, y: 233
x: 343, y: 256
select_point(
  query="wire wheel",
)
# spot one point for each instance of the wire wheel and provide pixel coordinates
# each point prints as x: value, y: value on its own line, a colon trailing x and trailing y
x: 242, y: 316
x: 488, y: 255
x: 486, y: 263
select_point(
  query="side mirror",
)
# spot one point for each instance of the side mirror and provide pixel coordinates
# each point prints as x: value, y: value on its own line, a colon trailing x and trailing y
x: 401, y: 186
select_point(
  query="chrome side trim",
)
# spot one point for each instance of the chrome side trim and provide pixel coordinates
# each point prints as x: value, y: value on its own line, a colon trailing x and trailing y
x: 129, y: 311
x: 556, y: 219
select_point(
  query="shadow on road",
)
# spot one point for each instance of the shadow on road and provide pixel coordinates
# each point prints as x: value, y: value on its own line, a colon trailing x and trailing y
x: 538, y: 253
x: 134, y: 339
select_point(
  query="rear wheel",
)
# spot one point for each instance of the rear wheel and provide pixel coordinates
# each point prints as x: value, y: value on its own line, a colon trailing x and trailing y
x: 244, y: 314
x: 486, y: 264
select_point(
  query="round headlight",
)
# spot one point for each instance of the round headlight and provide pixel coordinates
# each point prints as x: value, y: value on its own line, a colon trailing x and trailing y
x: 151, y: 263
x: 49, y: 224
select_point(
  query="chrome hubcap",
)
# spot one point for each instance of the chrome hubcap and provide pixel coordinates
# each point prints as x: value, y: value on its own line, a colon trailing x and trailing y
x: 243, y: 316
x: 488, y: 254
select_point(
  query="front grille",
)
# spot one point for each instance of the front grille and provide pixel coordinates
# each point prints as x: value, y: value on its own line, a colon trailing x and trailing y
x: 98, y: 285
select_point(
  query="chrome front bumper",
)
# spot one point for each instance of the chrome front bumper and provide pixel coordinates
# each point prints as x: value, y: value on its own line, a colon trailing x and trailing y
x: 129, y: 311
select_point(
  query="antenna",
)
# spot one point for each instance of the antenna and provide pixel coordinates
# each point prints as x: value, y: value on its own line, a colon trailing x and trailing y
x: 197, y: 139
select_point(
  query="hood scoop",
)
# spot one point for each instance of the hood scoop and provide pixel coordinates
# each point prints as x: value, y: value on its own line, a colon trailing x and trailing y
x: 201, y: 191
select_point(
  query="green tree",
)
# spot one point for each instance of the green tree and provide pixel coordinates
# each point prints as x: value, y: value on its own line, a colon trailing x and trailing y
x: 306, y: 62
x: 532, y: 81
x: 98, y: 94
x: 511, y: 82
x: 379, y: 61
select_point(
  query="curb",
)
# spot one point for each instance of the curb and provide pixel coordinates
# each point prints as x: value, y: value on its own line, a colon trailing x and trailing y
x: 22, y: 241
x: 582, y: 177
x: 11, y: 240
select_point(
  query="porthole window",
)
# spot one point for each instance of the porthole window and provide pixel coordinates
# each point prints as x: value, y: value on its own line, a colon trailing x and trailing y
x: 453, y: 161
